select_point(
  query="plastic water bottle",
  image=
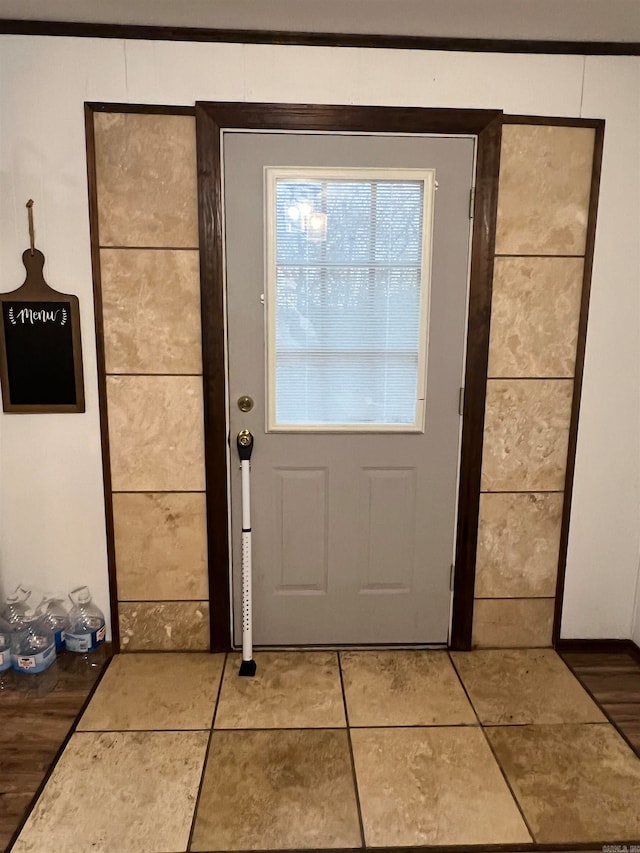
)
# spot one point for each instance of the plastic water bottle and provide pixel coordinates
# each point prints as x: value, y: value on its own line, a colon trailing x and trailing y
x: 55, y: 616
x: 16, y: 606
x: 12, y: 617
x: 86, y: 630
x: 34, y: 646
x: 6, y: 678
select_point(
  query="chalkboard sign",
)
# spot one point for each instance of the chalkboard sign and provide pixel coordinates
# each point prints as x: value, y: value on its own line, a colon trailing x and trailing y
x: 40, y: 351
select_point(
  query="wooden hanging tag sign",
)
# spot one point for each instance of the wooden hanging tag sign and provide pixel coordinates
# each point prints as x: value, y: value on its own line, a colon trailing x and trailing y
x: 40, y: 348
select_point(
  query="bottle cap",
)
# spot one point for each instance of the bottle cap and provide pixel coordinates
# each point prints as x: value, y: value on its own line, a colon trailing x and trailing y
x: 20, y: 593
x: 48, y: 597
x: 80, y: 595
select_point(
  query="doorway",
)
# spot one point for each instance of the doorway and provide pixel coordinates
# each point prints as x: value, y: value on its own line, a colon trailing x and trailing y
x: 346, y: 285
x: 353, y: 510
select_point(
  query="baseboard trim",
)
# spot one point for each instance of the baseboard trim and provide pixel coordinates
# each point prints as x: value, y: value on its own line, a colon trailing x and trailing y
x: 603, y: 646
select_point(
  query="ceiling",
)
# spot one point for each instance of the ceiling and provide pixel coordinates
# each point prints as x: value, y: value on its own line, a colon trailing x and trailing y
x: 558, y: 20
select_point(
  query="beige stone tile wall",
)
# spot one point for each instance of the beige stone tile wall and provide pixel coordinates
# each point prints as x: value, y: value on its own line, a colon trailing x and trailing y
x: 138, y: 313
x: 161, y: 536
x: 148, y: 237
x: 164, y: 625
x: 147, y: 184
x: 543, y: 203
x: 527, y: 338
x: 147, y: 215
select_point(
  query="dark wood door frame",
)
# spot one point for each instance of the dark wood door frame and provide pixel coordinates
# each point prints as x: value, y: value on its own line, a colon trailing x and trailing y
x: 211, y: 120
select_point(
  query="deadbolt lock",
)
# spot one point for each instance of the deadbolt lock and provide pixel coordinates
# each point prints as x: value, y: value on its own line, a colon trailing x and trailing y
x: 245, y: 403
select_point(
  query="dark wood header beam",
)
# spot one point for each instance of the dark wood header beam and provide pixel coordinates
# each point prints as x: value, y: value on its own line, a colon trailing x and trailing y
x: 365, y: 40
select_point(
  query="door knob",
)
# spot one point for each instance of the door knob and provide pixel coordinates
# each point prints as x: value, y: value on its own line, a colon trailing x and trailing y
x: 245, y: 403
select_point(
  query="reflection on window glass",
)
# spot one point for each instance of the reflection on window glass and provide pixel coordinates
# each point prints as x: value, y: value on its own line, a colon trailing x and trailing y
x: 348, y: 301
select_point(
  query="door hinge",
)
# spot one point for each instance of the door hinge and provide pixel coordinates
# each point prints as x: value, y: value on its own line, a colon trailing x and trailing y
x: 461, y: 401
x: 452, y: 569
x: 472, y: 201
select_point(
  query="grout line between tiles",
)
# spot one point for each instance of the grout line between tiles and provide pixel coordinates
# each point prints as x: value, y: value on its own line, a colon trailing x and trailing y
x: 511, y: 648
x: 138, y: 731
x: 350, y: 647
x: 495, y: 757
x: 222, y: 672
x: 151, y: 652
x: 152, y: 248
x: 333, y: 850
x: 545, y: 725
x: 282, y: 729
x: 166, y: 601
x: 158, y: 492
x: 512, y: 255
x: 206, y: 754
x: 497, y: 377
x: 516, y: 598
x: 420, y: 726
x: 524, y: 847
x: 351, y: 756
x: 521, y: 491
x: 341, y: 728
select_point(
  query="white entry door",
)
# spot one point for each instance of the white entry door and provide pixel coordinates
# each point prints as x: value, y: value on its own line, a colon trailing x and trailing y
x: 347, y: 262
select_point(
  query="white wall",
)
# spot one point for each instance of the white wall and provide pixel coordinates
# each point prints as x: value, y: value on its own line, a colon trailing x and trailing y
x: 51, y: 506
x: 603, y: 544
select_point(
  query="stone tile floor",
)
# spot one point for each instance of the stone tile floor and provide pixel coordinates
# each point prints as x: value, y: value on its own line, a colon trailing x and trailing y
x: 340, y: 751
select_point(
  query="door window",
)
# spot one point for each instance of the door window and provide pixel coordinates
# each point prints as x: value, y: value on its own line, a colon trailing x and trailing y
x: 347, y: 298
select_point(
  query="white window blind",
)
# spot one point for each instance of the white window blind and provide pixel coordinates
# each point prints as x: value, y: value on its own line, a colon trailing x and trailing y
x: 347, y: 298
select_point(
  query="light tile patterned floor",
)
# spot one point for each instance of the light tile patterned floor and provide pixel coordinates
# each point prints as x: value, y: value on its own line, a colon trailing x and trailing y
x: 437, y: 785
x: 519, y: 686
x: 402, y: 688
x: 155, y: 692
x: 333, y: 751
x: 290, y: 690
x: 119, y: 791
x: 286, y: 788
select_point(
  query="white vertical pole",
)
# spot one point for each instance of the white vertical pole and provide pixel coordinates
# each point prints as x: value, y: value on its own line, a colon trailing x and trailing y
x: 245, y: 447
x: 247, y: 637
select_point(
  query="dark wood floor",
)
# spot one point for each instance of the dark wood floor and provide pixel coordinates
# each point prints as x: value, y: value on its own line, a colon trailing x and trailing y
x: 613, y: 679
x: 34, y: 728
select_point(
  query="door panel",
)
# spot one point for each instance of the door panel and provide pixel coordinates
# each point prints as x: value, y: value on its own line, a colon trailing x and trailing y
x: 352, y: 533
x: 388, y: 531
x: 300, y: 530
